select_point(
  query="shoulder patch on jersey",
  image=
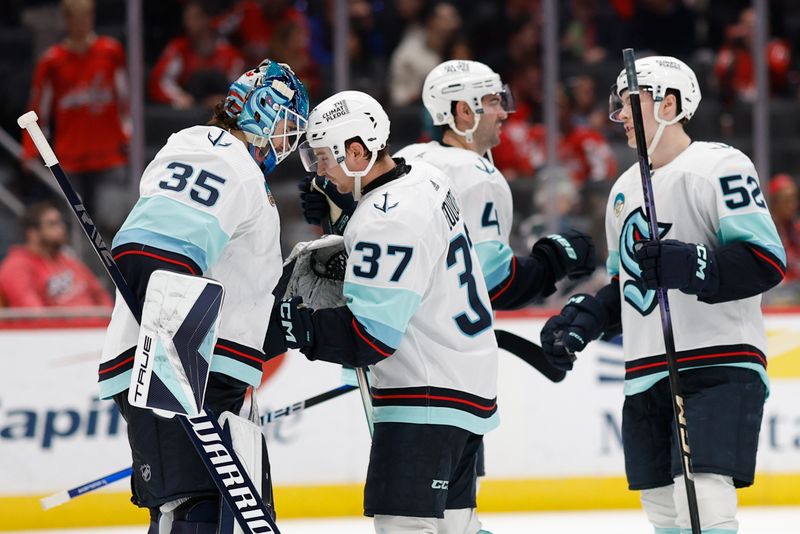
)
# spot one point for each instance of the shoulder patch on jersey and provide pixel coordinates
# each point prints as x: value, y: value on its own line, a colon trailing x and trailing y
x: 217, y: 141
x: 386, y: 206
x: 619, y: 204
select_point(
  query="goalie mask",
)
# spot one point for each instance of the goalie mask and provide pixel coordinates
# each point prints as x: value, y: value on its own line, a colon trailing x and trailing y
x: 656, y: 75
x: 338, y: 119
x: 270, y: 105
x: 468, y: 81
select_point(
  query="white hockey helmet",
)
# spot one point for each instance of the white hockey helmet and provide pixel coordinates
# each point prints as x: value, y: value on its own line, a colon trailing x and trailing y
x: 658, y: 74
x: 461, y: 80
x: 335, y: 120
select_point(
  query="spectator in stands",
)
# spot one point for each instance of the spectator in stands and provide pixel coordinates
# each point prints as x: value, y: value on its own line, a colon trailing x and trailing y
x: 290, y: 45
x: 421, y: 49
x: 582, y: 151
x: 734, y: 65
x: 40, y: 273
x: 80, y: 89
x: 197, y: 66
x: 250, y: 24
x: 590, y: 31
x: 783, y: 204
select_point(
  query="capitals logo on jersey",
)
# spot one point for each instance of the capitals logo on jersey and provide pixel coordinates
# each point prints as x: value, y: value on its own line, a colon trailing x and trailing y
x: 636, y: 228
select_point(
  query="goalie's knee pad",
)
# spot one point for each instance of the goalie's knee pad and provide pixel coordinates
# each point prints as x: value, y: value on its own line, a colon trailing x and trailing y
x: 659, y: 505
x: 716, y: 503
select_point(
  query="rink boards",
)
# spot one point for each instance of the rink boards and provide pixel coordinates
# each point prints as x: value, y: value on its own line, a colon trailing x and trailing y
x: 558, y: 446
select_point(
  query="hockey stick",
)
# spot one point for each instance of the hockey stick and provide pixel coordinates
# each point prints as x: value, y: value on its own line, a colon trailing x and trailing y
x: 204, y: 431
x: 292, y: 409
x: 529, y: 352
x: 57, y: 499
x: 361, y: 373
x: 663, y: 302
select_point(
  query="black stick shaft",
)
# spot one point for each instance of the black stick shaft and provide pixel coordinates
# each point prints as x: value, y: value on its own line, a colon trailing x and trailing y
x: 663, y: 301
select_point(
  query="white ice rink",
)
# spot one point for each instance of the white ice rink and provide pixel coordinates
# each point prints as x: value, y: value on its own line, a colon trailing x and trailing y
x: 753, y: 520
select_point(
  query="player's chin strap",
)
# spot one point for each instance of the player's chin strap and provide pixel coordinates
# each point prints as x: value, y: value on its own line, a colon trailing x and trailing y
x: 466, y: 134
x: 357, y: 175
x: 662, y: 124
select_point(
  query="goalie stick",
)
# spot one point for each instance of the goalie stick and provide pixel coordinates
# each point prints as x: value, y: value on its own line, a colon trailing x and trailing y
x: 57, y: 499
x: 629, y: 61
x: 203, y: 431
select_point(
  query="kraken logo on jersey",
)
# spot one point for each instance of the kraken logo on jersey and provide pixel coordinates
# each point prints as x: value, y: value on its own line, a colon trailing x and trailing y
x: 636, y: 229
x: 483, y: 165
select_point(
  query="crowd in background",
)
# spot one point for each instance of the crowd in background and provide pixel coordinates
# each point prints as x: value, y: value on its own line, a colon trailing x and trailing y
x: 67, y: 60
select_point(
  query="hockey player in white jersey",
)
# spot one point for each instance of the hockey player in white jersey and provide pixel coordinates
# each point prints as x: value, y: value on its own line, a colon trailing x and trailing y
x: 206, y: 209
x: 719, y: 251
x: 470, y: 102
x: 417, y: 313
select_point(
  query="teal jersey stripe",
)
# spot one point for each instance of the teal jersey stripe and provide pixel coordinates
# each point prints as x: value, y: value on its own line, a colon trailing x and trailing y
x: 170, y: 225
x: 391, y: 307
x: 495, y: 259
x: 386, y: 334
x: 238, y: 370
x: 166, y: 373
x: 612, y: 263
x: 637, y: 385
x: 435, y: 415
x: 668, y: 531
x: 756, y: 228
x: 117, y: 384
x: 705, y: 531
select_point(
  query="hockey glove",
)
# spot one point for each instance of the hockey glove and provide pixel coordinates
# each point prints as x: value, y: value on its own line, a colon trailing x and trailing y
x: 674, y: 264
x: 580, y: 321
x: 321, y: 200
x: 298, y: 330
x: 570, y: 253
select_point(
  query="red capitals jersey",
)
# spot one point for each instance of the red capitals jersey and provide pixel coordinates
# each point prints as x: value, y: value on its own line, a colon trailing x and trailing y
x: 85, y: 98
x: 179, y: 61
x: 734, y: 67
x: 584, y: 152
x: 29, y: 280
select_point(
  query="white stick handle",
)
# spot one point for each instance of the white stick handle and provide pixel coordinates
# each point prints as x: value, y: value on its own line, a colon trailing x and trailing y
x: 56, y: 499
x: 28, y: 122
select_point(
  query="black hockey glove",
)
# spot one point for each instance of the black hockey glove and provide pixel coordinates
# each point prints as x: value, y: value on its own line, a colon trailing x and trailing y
x: 582, y: 320
x: 295, y: 317
x: 674, y: 264
x: 316, y: 203
x: 570, y: 253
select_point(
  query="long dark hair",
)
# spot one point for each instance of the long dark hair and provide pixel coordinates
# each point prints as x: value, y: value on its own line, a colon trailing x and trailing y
x: 220, y: 118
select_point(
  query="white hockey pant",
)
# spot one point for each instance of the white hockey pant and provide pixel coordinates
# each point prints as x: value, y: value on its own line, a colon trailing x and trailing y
x: 667, y: 507
x: 463, y: 521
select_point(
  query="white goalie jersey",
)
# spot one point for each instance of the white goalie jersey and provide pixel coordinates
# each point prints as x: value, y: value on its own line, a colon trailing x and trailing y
x: 204, y: 200
x: 414, y: 286
x: 485, y: 198
x: 708, y: 194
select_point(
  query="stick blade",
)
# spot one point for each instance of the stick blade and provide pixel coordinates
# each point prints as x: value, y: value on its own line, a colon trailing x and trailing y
x: 530, y: 353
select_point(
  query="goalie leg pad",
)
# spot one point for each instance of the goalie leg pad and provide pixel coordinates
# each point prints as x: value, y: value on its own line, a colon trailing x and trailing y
x: 250, y: 446
x: 716, y: 503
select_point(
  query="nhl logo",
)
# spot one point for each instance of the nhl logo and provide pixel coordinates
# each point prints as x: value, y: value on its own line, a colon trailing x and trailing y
x: 146, y: 472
